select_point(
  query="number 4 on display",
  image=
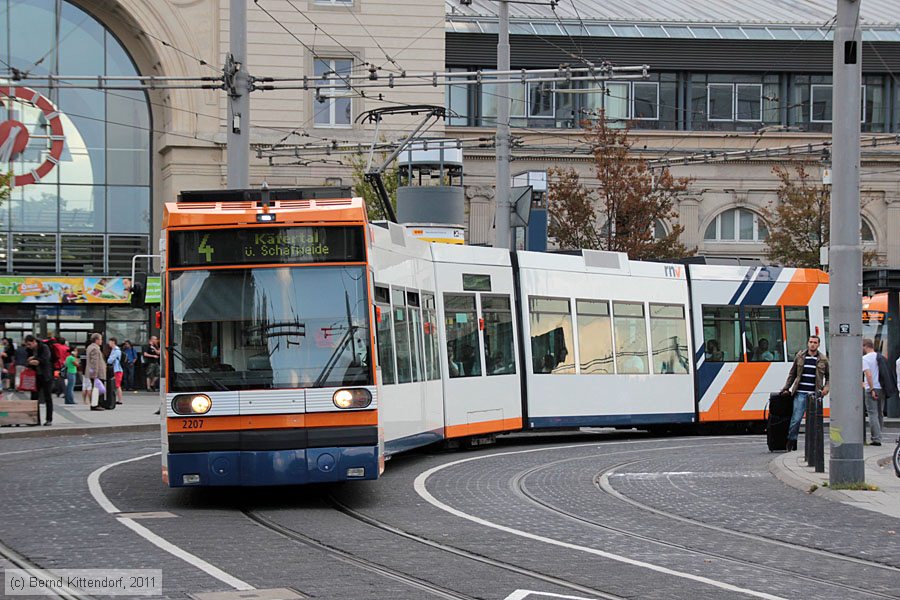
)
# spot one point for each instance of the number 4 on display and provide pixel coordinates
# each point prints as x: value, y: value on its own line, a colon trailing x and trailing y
x: 206, y: 249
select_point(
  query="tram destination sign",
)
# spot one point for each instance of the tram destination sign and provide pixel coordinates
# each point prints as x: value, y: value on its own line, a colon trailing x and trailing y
x: 261, y: 245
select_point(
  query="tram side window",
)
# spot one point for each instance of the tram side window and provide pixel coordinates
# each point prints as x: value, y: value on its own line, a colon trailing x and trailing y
x: 463, y: 356
x: 595, y: 346
x: 414, y: 315
x: 385, y: 335
x: 722, y: 334
x: 499, y: 354
x: 796, y: 324
x: 552, y: 350
x: 827, y: 319
x: 631, y: 337
x: 432, y: 340
x: 401, y: 337
x: 762, y: 325
x: 668, y: 334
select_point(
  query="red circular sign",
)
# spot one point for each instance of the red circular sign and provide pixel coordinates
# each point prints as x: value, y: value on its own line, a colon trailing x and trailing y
x: 14, y: 135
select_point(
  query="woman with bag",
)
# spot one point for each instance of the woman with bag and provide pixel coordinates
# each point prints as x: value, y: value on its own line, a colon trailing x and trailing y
x: 95, y: 369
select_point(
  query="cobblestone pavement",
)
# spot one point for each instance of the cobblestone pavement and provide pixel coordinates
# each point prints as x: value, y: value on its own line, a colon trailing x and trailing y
x: 579, y: 515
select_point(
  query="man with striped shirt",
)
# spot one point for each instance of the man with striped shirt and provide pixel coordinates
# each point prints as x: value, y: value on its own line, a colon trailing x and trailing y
x: 809, y: 375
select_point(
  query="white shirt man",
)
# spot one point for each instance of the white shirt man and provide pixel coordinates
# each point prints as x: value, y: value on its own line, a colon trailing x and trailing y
x: 874, y: 398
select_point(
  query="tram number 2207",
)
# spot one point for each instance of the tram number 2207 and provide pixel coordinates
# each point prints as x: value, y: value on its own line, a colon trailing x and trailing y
x: 192, y: 423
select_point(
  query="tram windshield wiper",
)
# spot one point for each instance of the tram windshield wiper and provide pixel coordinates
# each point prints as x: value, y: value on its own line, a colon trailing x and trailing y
x: 206, y: 376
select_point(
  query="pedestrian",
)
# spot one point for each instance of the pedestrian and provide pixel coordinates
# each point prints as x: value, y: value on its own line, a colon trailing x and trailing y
x: 886, y: 378
x: 21, y: 361
x: 872, y: 392
x: 808, y: 375
x: 151, y: 359
x: 60, y: 351
x: 114, y: 360
x: 41, y: 361
x: 95, y: 368
x: 131, y: 358
x: 9, y: 362
x: 71, y: 370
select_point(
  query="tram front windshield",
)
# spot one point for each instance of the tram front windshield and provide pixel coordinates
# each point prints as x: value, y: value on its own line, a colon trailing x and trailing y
x: 269, y: 328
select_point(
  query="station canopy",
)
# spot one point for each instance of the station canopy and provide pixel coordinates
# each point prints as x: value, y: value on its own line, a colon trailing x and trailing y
x: 806, y: 20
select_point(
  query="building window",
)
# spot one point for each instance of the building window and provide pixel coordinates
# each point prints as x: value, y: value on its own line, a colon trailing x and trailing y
x: 866, y: 233
x: 122, y: 248
x: 81, y: 254
x: 332, y: 106
x: 623, y: 101
x: 660, y: 230
x: 34, y: 252
x: 821, y: 99
x: 734, y: 102
x: 457, y: 97
x: 737, y: 225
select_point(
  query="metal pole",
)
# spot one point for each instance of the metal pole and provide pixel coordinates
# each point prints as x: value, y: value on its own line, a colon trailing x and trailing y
x: 238, y: 83
x: 845, y: 253
x: 819, y: 454
x: 808, y: 439
x: 501, y: 217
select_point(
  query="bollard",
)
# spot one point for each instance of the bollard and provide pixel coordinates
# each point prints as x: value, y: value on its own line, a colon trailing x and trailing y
x: 820, y: 435
x: 808, y: 438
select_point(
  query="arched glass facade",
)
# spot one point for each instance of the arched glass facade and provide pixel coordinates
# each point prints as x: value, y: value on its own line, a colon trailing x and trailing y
x: 92, y: 212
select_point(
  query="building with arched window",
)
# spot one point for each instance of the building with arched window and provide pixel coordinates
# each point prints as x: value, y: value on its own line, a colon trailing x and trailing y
x: 746, y: 76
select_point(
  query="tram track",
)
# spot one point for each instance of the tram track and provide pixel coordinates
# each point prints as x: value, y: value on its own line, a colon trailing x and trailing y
x: 520, y: 488
x: 601, y: 481
x: 20, y: 562
x: 575, y: 587
x: 354, y: 560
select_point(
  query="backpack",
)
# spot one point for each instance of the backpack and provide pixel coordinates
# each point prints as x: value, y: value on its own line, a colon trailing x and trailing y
x: 54, y: 353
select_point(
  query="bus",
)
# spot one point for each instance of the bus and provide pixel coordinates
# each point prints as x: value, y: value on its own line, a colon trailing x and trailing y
x: 269, y: 377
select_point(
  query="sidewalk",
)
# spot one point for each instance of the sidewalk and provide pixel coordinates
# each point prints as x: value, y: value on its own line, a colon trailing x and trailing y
x: 791, y: 469
x: 135, y: 414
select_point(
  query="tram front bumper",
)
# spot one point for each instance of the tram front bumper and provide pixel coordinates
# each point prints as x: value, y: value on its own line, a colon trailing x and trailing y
x: 272, y: 467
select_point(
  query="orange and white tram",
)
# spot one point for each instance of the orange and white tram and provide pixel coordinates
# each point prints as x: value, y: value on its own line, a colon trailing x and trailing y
x: 303, y: 344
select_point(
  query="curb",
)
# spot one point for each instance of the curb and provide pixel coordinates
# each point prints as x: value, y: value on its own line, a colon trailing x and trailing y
x: 42, y: 432
x: 789, y: 478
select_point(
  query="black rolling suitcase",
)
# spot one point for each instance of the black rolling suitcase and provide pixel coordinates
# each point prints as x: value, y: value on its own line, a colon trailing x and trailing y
x: 781, y: 406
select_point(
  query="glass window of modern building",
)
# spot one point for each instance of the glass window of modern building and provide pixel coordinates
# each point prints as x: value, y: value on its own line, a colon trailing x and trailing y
x: 66, y: 241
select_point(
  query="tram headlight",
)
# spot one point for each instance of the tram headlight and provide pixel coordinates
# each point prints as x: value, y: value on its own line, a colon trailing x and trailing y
x: 191, y: 404
x: 352, y: 398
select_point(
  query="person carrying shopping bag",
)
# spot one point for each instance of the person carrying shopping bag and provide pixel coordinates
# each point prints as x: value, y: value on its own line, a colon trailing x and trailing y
x: 95, y: 369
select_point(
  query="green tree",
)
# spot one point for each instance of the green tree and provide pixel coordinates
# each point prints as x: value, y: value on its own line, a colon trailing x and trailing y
x: 621, y: 214
x: 800, y: 220
x: 364, y: 189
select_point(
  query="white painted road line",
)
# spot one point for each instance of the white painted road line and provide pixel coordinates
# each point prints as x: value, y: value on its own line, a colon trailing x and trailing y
x: 192, y: 559
x: 420, y: 485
